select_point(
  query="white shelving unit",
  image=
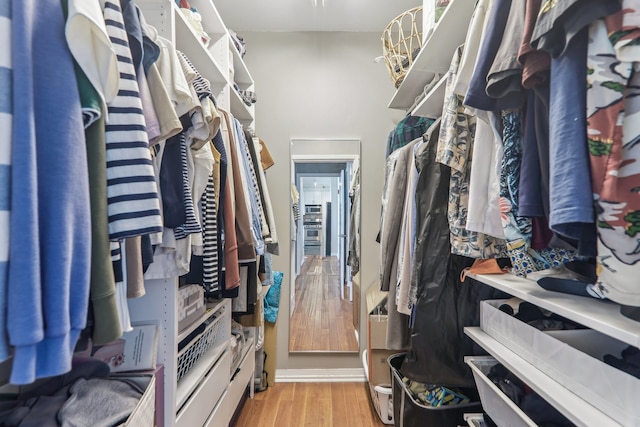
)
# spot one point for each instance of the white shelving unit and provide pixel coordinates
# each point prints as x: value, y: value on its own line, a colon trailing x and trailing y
x: 240, y: 110
x: 431, y: 104
x: 434, y: 58
x: 219, y: 61
x: 209, y: 392
x: 602, y: 316
x: 432, y: 63
x: 570, y: 405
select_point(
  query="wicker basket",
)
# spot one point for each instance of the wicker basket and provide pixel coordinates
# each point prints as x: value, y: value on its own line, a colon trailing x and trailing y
x: 401, y: 42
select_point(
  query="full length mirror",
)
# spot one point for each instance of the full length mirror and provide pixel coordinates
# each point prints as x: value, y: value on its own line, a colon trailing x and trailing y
x: 325, y: 189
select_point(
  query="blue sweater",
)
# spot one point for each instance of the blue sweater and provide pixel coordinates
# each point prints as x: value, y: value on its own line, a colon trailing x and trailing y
x: 49, y: 262
x: 6, y: 109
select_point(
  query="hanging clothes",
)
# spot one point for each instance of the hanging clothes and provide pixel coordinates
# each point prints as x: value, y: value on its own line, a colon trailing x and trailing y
x: 210, y: 273
x: 407, y: 130
x: 6, y: 136
x: 124, y: 171
x: 353, y: 256
x: 244, y: 229
x: 434, y: 351
x: 405, y: 291
x: 399, y: 169
x: 524, y: 259
x: 571, y: 198
x: 250, y: 189
x: 98, y: 83
x: 50, y: 258
x: 265, y: 156
x: 131, y: 212
x: 295, y: 211
x: 611, y: 111
x: 397, y: 177
x: 484, y: 214
x: 271, y: 239
x: 455, y: 149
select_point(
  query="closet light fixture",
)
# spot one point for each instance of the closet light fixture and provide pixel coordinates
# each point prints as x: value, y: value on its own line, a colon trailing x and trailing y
x: 321, y: 2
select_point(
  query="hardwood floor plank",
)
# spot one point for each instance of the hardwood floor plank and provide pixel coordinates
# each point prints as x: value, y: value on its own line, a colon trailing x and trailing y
x: 339, y: 408
x: 270, y: 411
x: 318, y: 405
x: 310, y: 404
x: 299, y: 413
x: 319, y: 307
x: 254, y: 412
x: 285, y: 415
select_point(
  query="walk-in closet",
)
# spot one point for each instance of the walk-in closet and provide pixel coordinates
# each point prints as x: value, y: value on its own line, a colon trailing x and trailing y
x: 322, y: 213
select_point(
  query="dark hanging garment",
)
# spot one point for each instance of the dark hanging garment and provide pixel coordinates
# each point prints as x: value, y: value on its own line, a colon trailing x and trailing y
x: 435, y: 352
x: 218, y: 144
x: 173, y: 207
x: 247, y: 296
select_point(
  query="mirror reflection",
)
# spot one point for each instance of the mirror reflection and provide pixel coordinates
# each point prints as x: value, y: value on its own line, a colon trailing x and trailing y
x: 325, y: 254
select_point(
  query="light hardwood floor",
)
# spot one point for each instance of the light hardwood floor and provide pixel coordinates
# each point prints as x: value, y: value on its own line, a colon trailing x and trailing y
x: 321, y: 320
x: 310, y: 404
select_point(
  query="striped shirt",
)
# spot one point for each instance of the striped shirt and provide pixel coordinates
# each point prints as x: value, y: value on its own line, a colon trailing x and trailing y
x: 205, y: 119
x: 191, y: 226
x: 133, y: 203
x: 210, y: 237
x: 116, y: 260
x: 6, y: 140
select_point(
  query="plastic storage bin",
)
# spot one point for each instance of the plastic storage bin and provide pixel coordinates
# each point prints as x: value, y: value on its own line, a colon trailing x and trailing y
x: 475, y: 420
x: 576, y: 361
x: 383, y: 402
x: 380, y: 394
x: 502, y: 410
x: 407, y: 412
x: 215, y: 330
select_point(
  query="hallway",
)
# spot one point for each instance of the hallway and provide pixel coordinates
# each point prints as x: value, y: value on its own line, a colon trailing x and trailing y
x: 321, y: 321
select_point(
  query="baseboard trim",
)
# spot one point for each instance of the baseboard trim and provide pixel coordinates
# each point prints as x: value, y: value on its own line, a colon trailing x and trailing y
x: 342, y: 375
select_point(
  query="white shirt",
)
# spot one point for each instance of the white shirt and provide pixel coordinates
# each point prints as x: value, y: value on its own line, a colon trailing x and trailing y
x: 86, y: 35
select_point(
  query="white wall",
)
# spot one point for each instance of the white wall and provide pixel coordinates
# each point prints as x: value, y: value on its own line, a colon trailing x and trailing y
x: 321, y: 85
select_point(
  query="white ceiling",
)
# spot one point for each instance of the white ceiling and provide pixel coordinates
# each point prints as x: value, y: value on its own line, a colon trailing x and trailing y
x: 316, y: 183
x: 302, y: 15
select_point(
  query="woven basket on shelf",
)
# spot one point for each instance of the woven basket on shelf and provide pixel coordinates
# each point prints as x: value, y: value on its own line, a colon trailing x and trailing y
x: 401, y: 42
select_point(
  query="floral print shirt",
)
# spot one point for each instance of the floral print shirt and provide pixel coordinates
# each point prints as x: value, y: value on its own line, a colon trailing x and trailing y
x: 518, y: 229
x: 613, y: 131
x: 455, y: 148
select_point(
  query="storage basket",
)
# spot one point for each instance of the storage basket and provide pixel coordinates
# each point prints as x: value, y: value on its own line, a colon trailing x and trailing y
x: 401, y: 43
x: 383, y: 402
x: 407, y: 412
x: 216, y: 330
x: 502, y: 410
x: 191, y: 305
x: 577, y: 361
x: 144, y: 413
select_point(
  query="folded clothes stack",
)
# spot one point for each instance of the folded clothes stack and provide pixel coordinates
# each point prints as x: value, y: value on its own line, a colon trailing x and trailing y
x: 538, y: 409
x: 248, y: 97
x: 238, y: 43
x: 629, y: 361
x: 84, y: 396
